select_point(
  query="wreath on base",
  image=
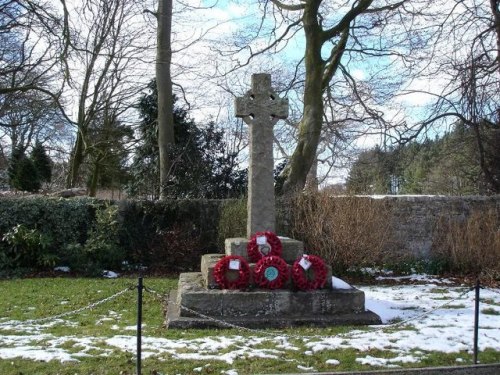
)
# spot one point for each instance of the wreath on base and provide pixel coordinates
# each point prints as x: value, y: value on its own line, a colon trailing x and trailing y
x: 309, y: 272
x: 264, y: 244
x: 232, y: 272
x: 271, y: 272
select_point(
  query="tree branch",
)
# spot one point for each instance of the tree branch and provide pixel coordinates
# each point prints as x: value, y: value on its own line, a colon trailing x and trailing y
x: 289, y: 7
x: 346, y: 20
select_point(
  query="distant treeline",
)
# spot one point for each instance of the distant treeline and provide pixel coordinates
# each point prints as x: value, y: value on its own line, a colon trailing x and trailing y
x: 465, y: 161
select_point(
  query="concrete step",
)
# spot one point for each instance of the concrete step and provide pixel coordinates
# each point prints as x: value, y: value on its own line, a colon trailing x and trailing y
x: 193, y: 306
x: 264, y: 303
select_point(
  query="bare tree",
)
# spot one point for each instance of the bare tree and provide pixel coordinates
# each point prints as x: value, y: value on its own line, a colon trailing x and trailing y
x: 164, y: 85
x: 468, y: 64
x: 30, y: 106
x: 103, y: 50
x: 335, y: 37
x: 24, y: 25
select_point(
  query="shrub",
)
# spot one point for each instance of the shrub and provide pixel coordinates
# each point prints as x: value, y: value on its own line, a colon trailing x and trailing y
x: 169, y: 235
x: 65, y: 221
x: 26, y: 248
x: 470, y: 245
x: 233, y: 220
x: 177, y: 249
x: 102, y: 246
x: 348, y: 232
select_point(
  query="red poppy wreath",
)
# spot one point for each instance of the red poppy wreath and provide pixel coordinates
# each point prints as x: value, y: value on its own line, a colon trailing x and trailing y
x: 232, y: 272
x: 263, y: 244
x: 271, y: 272
x: 309, y: 272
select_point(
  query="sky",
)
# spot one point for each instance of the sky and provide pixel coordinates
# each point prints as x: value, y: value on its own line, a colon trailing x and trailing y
x: 410, y: 106
x: 207, y: 34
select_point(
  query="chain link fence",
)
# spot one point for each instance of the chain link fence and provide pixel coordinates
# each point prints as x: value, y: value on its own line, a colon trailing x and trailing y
x: 162, y: 298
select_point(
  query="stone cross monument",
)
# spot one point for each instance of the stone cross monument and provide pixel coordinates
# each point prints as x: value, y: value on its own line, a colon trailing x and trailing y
x: 261, y: 108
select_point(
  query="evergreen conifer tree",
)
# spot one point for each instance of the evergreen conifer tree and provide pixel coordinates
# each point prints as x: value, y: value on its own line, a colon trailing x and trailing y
x: 26, y: 177
x: 42, y: 162
x: 15, y: 158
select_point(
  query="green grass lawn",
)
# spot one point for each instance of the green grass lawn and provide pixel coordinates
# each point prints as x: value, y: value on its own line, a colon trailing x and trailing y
x: 103, y: 337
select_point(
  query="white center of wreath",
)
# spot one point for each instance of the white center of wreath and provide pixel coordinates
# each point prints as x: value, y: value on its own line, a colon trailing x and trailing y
x: 271, y: 273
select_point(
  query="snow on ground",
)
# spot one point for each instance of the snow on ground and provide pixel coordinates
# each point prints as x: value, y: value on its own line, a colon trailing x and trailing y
x: 417, y: 319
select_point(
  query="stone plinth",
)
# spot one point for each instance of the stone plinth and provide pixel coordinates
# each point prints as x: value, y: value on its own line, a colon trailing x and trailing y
x: 292, y: 249
x: 208, y: 262
x: 263, y: 308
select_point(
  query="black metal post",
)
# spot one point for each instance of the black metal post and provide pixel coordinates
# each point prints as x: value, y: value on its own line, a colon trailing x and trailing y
x: 476, y: 320
x: 139, y: 325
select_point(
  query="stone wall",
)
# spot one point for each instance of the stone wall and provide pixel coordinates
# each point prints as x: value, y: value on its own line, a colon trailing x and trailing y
x: 415, y: 217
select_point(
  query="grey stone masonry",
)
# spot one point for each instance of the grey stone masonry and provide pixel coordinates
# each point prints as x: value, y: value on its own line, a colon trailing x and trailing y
x: 261, y: 108
x: 263, y: 308
x: 292, y: 249
x: 208, y: 262
x: 199, y: 302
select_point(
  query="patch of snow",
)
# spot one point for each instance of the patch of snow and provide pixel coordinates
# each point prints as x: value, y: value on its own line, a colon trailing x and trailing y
x: 416, y: 277
x: 109, y: 274
x: 36, y: 354
x: 333, y: 362
x: 339, y: 283
x: 62, y: 269
x: 386, y: 362
x: 304, y: 368
x: 429, y: 326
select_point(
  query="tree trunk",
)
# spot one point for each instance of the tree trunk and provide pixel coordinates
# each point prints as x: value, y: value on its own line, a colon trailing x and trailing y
x: 310, y: 126
x: 95, y: 177
x: 76, y: 161
x: 312, y: 183
x: 496, y: 18
x: 164, y: 85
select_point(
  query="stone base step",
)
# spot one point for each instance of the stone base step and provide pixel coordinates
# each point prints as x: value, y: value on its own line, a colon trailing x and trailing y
x: 175, y: 320
x: 332, y: 306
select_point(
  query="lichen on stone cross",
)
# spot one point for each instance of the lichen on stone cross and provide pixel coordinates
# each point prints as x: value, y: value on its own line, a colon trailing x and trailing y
x: 261, y: 108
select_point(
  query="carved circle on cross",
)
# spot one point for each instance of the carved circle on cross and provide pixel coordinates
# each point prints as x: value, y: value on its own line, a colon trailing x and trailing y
x: 261, y: 103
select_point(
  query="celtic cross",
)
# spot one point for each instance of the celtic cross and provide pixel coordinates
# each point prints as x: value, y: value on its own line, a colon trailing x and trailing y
x: 261, y: 108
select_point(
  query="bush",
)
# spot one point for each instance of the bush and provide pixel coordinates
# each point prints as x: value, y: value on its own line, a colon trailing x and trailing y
x: 233, y: 220
x: 102, y: 248
x: 348, y: 232
x: 169, y: 235
x: 26, y: 248
x: 65, y: 221
x: 469, y: 246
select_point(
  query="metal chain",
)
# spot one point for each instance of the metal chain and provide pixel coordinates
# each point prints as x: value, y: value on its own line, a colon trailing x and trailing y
x: 431, y: 310
x: 274, y: 333
x: 491, y: 289
x: 73, y: 312
x: 163, y: 298
x: 158, y: 295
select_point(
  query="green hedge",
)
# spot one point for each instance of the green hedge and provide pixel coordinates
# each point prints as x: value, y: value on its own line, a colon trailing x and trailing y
x: 63, y: 220
x: 167, y: 236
